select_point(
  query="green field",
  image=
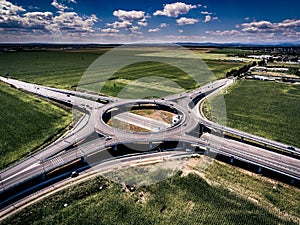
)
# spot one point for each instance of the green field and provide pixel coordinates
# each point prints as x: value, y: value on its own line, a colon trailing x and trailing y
x: 63, y: 69
x: 27, y: 122
x: 267, y: 109
x: 177, y: 200
x: 270, y: 194
x: 219, y: 68
x: 60, y: 69
x: 231, y: 51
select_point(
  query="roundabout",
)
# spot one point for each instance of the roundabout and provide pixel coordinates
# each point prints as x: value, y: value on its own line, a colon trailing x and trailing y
x: 93, y: 141
x: 138, y: 113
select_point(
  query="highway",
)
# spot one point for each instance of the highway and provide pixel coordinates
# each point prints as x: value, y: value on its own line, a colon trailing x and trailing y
x: 72, y: 146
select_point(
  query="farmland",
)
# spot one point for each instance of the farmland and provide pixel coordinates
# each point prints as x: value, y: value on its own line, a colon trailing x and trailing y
x: 27, y: 122
x: 187, y: 199
x: 63, y: 69
x: 267, y: 109
x: 60, y: 69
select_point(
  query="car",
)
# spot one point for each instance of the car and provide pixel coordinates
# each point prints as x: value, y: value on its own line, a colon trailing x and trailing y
x: 291, y: 148
x: 108, y: 138
x: 74, y: 174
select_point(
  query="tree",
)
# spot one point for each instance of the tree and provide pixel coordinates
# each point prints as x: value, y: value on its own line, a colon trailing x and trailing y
x: 254, y: 64
x: 262, y: 63
x: 294, y: 71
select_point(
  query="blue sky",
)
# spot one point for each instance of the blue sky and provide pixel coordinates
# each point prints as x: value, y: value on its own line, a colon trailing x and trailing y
x: 120, y: 21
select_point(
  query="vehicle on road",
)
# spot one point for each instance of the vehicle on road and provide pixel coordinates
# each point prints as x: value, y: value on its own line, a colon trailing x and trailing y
x: 74, y: 174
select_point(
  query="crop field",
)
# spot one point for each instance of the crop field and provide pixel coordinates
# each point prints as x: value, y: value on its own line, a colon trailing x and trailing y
x: 63, y: 69
x: 27, y: 122
x: 177, y: 200
x: 60, y: 69
x: 288, y: 65
x: 219, y: 68
x: 267, y: 109
x: 231, y: 51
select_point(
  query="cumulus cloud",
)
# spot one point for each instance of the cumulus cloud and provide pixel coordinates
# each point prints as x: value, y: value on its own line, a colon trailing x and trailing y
x: 37, y: 20
x: 267, y: 26
x: 174, y: 9
x: 59, y: 6
x: 109, y: 30
x: 264, y: 30
x: 163, y: 25
x: 117, y: 24
x: 135, y: 30
x: 142, y: 23
x: 153, y: 30
x: 15, y: 19
x: 72, y: 22
x: 8, y: 8
x: 223, y: 33
x: 206, y: 13
x: 130, y: 20
x: 129, y: 15
x: 209, y: 18
x: 9, y: 14
x: 186, y: 21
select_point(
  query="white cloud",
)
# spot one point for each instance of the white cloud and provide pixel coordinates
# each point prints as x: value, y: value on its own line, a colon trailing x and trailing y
x: 222, y: 33
x: 174, y: 9
x: 71, y: 22
x: 286, y: 27
x: 142, y: 23
x: 117, y: 24
x: 37, y: 20
x: 256, y: 26
x: 163, y: 25
x: 153, y: 30
x: 206, y: 13
x: 130, y: 20
x: 184, y: 21
x: 135, y: 30
x: 8, y: 8
x: 247, y: 18
x: 14, y: 20
x: 180, y: 31
x: 60, y: 7
x: 129, y: 15
x: 33, y: 7
x: 209, y: 18
x: 290, y: 23
x: 109, y: 30
x: 263, y: 30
